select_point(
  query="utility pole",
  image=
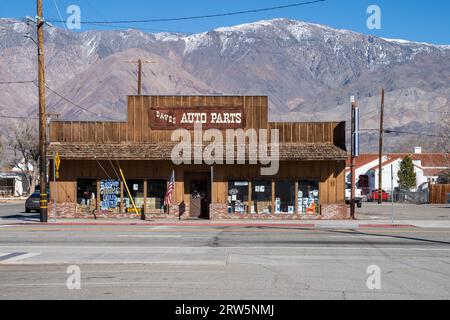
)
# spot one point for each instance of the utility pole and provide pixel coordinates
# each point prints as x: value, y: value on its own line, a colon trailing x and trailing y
x: 354, y: 153
x: 139, y: 63
x: 42, y: 115
x: 380, y: 152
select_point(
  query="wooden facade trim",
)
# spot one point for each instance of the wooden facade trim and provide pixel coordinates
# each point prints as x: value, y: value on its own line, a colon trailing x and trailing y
x: 137, y: 130
x: 314, y: 151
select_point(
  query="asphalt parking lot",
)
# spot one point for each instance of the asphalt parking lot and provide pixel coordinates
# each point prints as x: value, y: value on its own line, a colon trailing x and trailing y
x: 402, y: 211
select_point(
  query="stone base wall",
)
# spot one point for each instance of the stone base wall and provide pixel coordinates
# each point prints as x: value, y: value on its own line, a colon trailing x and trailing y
x: 218, y: 211
x: 63, y: 210
x: 336, y: 211
x: 69, y: 210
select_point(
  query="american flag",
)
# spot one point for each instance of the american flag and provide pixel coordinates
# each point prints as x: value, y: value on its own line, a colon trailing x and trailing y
x: 170, y: 187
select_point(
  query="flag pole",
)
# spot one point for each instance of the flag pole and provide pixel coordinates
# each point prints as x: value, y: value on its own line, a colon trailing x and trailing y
x: 166, y: 202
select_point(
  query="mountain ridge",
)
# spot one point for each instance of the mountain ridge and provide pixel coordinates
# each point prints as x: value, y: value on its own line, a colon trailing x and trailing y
x: 307, y: 70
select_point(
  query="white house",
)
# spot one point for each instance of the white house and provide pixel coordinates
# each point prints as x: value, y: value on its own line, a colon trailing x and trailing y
x: 427, y: 167
x: 15, y: 182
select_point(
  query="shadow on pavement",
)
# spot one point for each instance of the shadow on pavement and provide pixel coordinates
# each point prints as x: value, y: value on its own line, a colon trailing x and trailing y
x: 361, y: 233
x: 22, y: 217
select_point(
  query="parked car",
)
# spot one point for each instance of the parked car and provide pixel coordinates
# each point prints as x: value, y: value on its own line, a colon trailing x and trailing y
x: 33, y: 201
x: 358, y: 195
x: 373, y: 196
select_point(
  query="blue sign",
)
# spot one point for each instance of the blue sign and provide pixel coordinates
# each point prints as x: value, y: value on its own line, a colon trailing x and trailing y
x: 110, y: 194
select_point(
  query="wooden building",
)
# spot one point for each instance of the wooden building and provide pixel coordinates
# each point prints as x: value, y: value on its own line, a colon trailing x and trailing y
x: 310, y: 182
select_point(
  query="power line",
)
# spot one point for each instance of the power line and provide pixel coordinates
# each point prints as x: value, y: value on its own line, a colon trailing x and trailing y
x: 399, y: 132
x: 139, y: 28
x: 98, y: 115
x: 18, y: 117
x: 298, y: 4
x: 411, y: 133
x: 77, y: 105
x: 421, y: 111
x: 56, y: 93
x: 16, y: 82
x: 59, y: 13
x: 122, y: 27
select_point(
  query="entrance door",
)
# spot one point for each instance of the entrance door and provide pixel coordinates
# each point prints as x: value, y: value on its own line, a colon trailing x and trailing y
x: 199, y: 195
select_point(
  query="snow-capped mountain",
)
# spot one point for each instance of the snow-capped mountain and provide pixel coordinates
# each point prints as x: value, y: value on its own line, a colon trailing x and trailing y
x: 307, y: 70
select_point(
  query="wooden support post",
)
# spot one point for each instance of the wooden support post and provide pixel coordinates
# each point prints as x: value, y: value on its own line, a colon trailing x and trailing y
x: 121, y: 197
x: 97, y: 206
x: 273, y: 197
x: 144, y: 210
x: 249, y: 208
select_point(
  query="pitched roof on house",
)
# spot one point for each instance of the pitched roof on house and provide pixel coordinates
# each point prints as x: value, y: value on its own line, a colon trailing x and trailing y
x: 363, y: 159
x: 428, y: 160
x: 433, y: 172
x: 386, y: 163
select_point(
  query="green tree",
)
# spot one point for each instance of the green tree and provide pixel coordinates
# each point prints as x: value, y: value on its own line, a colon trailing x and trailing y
x: 406, y: 174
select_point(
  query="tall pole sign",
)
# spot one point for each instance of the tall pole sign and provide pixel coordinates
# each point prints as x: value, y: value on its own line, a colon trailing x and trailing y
x: 354, y: 152
x: 380, y: 152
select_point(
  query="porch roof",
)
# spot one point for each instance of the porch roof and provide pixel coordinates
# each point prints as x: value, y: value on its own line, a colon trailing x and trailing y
x: 162, y: 151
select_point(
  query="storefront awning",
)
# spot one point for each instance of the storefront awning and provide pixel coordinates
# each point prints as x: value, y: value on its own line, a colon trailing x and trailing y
x: 162, y: 151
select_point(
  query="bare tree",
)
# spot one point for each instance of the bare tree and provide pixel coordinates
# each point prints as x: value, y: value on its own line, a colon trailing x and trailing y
x: 23, y: 140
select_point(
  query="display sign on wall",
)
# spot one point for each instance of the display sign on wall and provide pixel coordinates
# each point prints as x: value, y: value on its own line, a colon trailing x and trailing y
x: 109, y: 194
x: 163, y: 118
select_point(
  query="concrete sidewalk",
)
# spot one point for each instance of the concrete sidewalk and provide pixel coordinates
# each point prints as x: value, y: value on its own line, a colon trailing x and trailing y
x: 318, y: 224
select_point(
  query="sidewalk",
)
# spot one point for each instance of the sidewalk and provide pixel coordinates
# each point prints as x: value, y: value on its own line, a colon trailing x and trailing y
x: 12, y: 200
x: 318, y: 224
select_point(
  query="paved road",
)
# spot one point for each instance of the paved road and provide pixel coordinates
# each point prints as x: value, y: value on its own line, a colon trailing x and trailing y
x: 161, y: 262
x: 15, y: 212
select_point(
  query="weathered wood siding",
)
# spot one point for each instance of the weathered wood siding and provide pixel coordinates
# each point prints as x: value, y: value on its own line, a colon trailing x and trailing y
x: 439, y: 193
x: 330, y: 174
x: 136, y: 129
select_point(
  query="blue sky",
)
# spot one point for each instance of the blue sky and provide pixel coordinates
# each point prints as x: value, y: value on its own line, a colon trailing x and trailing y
x: 418, y: 20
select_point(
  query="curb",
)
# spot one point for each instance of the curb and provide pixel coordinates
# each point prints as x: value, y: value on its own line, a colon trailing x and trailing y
x: 387, y: 226
x: 235, y: 224
x: 175, y: 224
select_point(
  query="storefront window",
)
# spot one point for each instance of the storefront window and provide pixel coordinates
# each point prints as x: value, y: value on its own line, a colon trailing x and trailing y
x: 136, y: 188
x: 308, y: 197
x: 237, y: 197
x: 87, y: 192
x: 110, y: 195
x: 262, y: 197
x: 156, y: 192
x: 284, y: 197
